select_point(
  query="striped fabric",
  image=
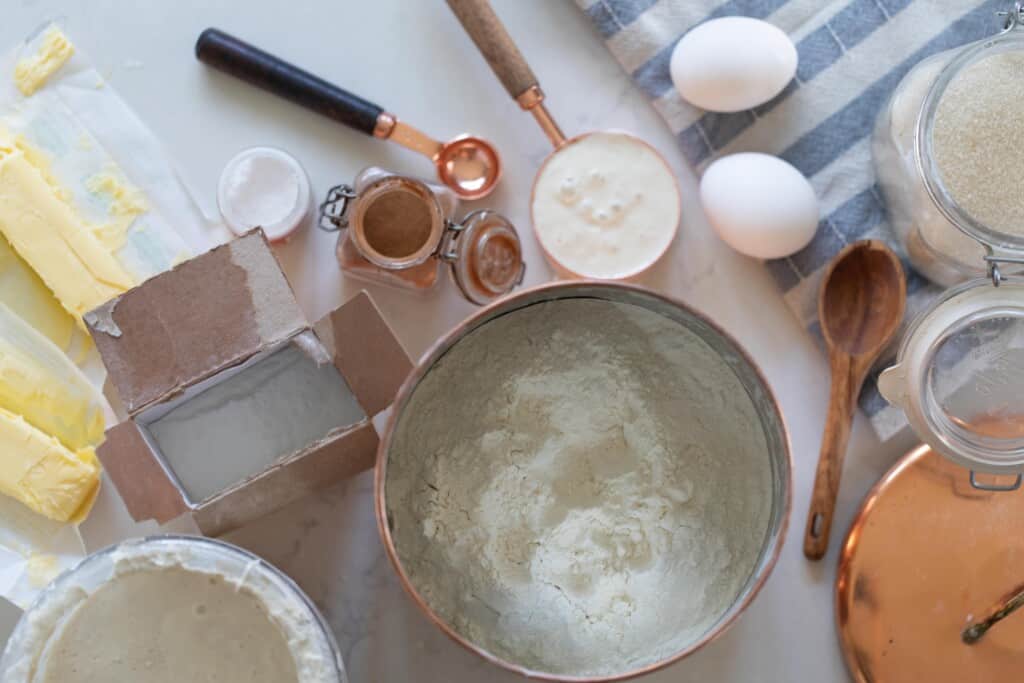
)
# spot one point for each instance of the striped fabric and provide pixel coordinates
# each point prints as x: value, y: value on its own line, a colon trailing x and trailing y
x: 852, y: 53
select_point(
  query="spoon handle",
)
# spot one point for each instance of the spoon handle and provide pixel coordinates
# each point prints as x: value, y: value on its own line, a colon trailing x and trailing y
x: 496, y: 45
x: 256, y: 67
x: 846, y: 382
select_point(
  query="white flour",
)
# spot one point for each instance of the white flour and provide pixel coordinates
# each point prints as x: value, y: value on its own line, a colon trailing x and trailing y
x: 580, y: 487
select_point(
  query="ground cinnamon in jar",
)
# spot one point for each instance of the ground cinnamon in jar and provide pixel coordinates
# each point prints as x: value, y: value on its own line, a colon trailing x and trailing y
x: 397, y: 223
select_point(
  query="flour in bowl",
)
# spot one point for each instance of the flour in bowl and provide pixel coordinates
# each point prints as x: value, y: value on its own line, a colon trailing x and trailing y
x: 580, y: 487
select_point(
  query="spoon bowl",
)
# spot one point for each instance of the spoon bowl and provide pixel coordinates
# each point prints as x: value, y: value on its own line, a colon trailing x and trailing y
x: 862, y: 298
x: 469, y: 165
x: 861, y: 304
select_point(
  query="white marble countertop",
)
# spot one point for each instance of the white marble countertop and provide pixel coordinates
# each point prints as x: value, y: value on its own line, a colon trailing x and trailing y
x: 413, y: 58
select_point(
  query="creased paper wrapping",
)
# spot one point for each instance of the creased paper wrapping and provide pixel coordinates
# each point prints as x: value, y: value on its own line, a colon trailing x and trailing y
x: 33, y: 550
x: 87, y: 132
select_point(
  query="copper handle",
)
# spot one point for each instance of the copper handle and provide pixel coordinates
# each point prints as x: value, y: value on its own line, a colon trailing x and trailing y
x: 1005, y: 608
x: 495, y: 44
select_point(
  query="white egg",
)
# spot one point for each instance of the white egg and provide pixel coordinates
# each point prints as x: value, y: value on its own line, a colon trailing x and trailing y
x: 732, y: 63
x: 759, y: 204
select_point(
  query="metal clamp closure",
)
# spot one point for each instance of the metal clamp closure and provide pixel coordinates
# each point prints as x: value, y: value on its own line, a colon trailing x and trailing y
x: 1014, y: 17
x: 447, y: 251
x: 999, y: 488
x: 334, y: 209
x: 993, y: 262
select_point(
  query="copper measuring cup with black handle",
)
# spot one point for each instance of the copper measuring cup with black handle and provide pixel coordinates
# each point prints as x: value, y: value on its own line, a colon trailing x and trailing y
x: 469, y: 165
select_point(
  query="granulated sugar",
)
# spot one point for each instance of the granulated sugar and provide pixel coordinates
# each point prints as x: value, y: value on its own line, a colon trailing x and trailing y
x: 974, y: 140
x: 580, y: 487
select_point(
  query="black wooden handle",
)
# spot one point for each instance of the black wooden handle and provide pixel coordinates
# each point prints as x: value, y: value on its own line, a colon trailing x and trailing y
x: 253, y: 65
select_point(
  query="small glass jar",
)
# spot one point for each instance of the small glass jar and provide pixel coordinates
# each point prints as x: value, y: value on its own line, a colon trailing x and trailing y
x: 944, y: 241
x: 959, y: 378
x: 399, y: 231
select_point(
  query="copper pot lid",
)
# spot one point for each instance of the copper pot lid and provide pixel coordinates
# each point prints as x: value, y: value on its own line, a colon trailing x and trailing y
x: 931, y: 563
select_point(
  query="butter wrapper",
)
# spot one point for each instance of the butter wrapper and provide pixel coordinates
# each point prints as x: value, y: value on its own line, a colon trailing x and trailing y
x: 33, y: 551
x: 97, y: 149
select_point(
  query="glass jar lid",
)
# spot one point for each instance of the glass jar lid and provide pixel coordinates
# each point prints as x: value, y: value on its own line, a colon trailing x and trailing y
x: 485, y: 255
x: 965, y: 136
x: 959, y: 376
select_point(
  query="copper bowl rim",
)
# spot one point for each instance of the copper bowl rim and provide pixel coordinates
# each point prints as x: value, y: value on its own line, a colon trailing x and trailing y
x: 636, y: 272
x: 846, y: 552
x: 762, y: 571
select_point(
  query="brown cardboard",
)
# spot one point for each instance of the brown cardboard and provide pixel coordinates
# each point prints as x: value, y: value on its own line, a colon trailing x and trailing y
x: 213, y: 313
x: 337, y: 457
x: 208, y: 313
x: 373, y: 371
x: 148, y: 491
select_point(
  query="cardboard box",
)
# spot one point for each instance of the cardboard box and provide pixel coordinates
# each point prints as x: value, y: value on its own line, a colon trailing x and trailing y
x: 235, y: 406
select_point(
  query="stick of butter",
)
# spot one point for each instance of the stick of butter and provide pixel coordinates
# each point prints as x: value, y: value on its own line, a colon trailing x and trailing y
x: 39, y: 383
x: 39, y: 471
x: 24, y: 293
x: 32, y: 72
x: 52, y: 238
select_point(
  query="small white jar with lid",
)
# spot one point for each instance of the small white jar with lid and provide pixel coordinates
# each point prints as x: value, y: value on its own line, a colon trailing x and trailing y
x: 946, y: 159
x: 264, y: 187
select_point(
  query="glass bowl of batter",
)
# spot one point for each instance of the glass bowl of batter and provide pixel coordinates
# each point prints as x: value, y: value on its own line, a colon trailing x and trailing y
x: 172, y: 608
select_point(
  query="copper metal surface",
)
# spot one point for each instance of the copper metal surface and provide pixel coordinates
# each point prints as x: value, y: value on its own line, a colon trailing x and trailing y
x: 782, y: 462
x: 415, y: 139
x: 531, y: 97
x: 385, y: 124
x: 469, y: 165
x: 532, y: 100
x: 926, y: 557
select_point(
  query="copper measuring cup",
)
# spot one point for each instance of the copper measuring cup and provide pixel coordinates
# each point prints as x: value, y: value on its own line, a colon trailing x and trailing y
x: 497, y: 47
x: 469, y: 165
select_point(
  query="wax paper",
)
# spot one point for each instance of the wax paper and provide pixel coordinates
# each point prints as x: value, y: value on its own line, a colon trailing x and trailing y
x: 84, y: 128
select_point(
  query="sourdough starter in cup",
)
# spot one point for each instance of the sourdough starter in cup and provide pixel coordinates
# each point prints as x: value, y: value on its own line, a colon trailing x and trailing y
x: 605, y: 205
x: 171, y: 609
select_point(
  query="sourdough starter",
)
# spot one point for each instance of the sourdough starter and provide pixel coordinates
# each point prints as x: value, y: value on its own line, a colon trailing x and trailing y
x: 605, y: 206
x: 170, y: 610
x: 580, y: 487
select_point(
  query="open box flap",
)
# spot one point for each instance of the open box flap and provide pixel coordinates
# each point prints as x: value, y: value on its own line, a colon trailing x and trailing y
x: 188, y: 323
x: 366, y: 351
x: 148, y: 491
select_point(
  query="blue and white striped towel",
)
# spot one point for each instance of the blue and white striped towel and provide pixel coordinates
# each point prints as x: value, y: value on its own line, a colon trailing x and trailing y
x: 852, y: 54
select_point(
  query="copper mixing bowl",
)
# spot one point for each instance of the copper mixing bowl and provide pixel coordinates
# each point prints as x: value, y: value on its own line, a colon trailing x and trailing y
x: 738, y: 360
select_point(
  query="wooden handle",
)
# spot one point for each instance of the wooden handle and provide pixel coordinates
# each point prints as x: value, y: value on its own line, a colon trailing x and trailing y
x: 495, y: 44
x: 847, y: 379
x: 252, y: 65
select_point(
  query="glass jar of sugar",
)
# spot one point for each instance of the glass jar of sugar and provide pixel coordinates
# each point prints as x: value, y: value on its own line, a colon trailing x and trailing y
x: 947, y: 161
x: 401, y: 231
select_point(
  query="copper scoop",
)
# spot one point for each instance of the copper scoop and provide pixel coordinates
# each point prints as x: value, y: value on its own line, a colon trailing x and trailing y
x: 469, y: 165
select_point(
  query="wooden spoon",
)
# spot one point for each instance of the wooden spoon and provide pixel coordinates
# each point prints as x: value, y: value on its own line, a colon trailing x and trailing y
x: 860, y: 306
